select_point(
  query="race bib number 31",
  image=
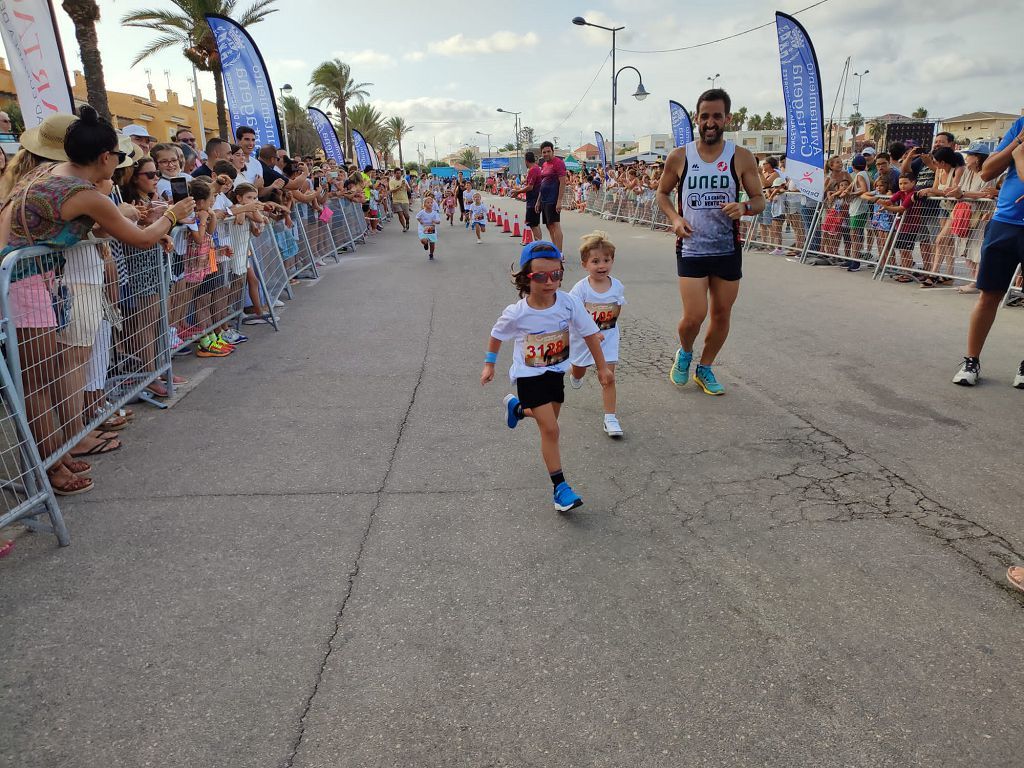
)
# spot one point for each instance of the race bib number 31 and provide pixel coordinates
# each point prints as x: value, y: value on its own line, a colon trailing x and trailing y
x: 605, y: 315
x: 543, y: 349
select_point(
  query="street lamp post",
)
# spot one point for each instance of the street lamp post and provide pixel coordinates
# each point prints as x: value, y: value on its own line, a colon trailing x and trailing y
x: 285, y: 90
x: 860, y: 80
x: 516, y: 128
x: 488, y: 145
x: 641, y: 92
x: 714, y: 78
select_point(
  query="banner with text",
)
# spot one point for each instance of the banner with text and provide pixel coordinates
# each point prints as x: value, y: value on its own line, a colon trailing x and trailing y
x: 36, y: 59
x: 682, y: 128
x: 374, y: 159
x: 801, y: 89
x: 247, y: 89
x: 494, y: 163
x: 602, y: 151
x: 361, y: 149
x: 328, y: 136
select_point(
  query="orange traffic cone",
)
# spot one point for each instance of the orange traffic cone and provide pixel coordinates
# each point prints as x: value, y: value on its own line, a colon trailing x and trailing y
x: 499, y: 217
x: 527, y: 236
x: 507, y: 229
x: 490, y: 215
x: 515, y: 229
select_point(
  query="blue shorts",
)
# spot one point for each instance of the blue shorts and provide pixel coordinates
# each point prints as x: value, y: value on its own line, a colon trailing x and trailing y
x: 1002, y: 251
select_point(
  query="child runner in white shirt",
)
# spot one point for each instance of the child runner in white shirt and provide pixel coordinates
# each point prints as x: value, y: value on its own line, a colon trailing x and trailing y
x: 428, y: 219
x: 541, y: 324
x: 478, y: 216
x: 467, y: 201
x: 603, y: 296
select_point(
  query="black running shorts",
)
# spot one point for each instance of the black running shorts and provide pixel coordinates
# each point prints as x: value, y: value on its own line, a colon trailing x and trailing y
x: 549, y: 387
x: 727, y: 267
x: 549, y: 214
x: 532, y: 216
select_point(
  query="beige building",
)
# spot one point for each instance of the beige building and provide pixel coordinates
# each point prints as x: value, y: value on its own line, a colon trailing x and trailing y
x: 161, y: 118
x: 979, y: 126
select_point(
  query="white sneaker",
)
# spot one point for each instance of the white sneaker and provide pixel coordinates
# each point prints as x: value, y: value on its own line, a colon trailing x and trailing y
x: 970, y: 372
x: 173, y: 339
x: 575, y: 383
x: 278, y: 304
x: 611, y: 426
x: 1018, y: 380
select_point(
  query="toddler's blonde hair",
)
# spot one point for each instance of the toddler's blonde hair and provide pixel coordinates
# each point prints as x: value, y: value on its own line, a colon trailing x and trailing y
x: 596, y: 241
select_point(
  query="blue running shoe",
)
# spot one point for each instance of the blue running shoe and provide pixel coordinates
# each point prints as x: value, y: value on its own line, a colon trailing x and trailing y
x: 566, y: 498
x: 511, y: 411
x: 705, y: 377
x: 680, y: 373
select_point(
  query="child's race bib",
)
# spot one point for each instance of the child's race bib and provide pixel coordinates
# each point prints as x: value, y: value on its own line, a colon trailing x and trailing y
x: 428, y: 230
x: 479, y: 217
x: 605, y: 315
x: 543, y: 349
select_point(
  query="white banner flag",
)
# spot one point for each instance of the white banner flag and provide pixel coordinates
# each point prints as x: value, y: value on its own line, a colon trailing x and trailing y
x: 34, y: 54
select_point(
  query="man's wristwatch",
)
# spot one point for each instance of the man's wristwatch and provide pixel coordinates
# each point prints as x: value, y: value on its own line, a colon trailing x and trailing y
x: 747, y: 207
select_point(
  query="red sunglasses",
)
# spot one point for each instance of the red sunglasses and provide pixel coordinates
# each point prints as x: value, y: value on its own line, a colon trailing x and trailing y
x: 546, y: 277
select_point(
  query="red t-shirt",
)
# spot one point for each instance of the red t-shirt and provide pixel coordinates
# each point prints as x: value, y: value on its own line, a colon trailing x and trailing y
x: 911, y: 218
x: 533, y: 180
x: 553, y: 170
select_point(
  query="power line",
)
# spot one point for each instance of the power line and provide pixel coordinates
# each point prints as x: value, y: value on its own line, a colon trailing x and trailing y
x: 723, y: 39
x: 573, y: 110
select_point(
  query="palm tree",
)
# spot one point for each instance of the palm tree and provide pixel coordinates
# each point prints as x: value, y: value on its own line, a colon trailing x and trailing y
x: 876, y: 130
x: 467, y: 157
x: 302, y: 136
x: 84, y: 14
x: 920, y: 113
x: 739, y: 118
x: 398, y: 128
x: 369, y: 122
x: 755, y: 123
x: 332, y: 83
x: 855, y: 121
x: 187, y: 27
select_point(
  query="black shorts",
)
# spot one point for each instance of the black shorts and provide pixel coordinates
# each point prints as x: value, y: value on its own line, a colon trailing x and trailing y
x: 213, y: 281
x: 725, y: 267
x: 549, y: 387
x: 532, y: 216
x: 549, y: 214
x: 1002, y: 251
x: 905, y: 240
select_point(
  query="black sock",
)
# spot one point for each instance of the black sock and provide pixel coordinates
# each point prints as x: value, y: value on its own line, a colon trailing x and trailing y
x: 557, y: 478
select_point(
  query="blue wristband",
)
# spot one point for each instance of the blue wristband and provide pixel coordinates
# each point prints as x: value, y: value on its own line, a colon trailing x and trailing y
x: 491, y: 357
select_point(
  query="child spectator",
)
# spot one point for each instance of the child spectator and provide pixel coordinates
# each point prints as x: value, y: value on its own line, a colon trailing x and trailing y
x: 903, y: 202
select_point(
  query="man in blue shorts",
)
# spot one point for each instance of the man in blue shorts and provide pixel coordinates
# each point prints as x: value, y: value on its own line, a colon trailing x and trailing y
x: 1002, y: 251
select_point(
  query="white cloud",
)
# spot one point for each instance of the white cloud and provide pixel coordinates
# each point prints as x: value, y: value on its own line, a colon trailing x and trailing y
x: 291, y: 65
x: 366, y: 58
x: 501, y: 41
x: 413, y: 56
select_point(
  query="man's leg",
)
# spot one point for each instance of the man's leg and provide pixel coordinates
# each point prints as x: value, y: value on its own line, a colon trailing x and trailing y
x: 723, y: 296
x: 555, y: 233
x: 982, y: 317
x: 694, y: 293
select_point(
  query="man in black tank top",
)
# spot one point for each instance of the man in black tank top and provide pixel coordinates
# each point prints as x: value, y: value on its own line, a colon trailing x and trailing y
x: 708, y: 249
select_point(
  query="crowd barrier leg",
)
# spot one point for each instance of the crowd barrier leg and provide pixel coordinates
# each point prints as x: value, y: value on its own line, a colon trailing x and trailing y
x: 1014, y: 291
x: 305, y: 260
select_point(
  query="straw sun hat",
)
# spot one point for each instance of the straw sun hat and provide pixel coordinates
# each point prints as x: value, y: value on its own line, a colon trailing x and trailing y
x: 47, y: 138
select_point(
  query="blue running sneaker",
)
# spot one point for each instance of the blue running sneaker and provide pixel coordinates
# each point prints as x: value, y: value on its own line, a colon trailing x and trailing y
x: 705, y: 377
x: 680, y: 373
x: 511, y: 411
x: 566, y: 498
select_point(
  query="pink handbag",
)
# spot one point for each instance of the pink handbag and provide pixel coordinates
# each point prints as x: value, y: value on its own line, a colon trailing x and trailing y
x: 326, y: 214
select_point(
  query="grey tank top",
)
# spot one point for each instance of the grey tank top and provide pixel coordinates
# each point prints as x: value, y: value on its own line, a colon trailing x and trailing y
x: 704, y: 187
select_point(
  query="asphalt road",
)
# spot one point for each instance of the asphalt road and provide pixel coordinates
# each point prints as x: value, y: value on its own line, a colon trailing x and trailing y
x: 332, y: 553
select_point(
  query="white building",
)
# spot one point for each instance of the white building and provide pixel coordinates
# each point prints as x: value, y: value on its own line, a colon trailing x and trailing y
x: 759, y: 142
x: 654, y: 143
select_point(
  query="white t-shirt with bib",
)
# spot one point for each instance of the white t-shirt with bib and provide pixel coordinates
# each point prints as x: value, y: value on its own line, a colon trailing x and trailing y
x: 604, y: 309
x: 478, y: 213
x: 428, y: 220
x: 543, y: 336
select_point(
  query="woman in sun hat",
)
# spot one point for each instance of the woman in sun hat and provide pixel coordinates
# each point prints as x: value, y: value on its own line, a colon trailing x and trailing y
x: 57, y: 205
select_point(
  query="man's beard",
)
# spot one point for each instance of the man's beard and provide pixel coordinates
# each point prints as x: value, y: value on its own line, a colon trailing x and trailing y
x: 714, y: 139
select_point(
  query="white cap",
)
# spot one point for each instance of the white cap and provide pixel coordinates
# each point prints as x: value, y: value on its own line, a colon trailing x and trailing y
x: 136, y: 130
x: 868, y: 151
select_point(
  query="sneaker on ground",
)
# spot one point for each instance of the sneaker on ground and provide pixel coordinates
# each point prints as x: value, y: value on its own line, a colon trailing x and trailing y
x: 211, y: 351
x: 705, y: 377
x: 969, y: 373
x: 173, y: 339
x: 278, y: 304
x: 231, y: 336
x: 575, y: 383
x: 612, y: 428
x: 511, y: 410
x: 566, y: 498
x: 1018, y: 380
x: 680, y: 373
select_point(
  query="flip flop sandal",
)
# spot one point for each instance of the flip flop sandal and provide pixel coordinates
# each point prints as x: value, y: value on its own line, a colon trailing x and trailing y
x: 1018, y: 583
x: 99, y: 449
x: 78, y: 467
x: 114, y: 423
x: 157, y: 389
x: 178, y: 380
x: 903, y: 279
x: 6, y: 547
x: 73, y: 487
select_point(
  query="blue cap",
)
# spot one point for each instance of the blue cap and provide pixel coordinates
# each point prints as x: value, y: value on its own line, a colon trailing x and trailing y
x: 539, y: 249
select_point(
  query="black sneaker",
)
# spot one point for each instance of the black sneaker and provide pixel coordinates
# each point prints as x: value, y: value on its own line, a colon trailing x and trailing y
x: 1018, y: 380
x: 970, y: 372
x: 426, y: 247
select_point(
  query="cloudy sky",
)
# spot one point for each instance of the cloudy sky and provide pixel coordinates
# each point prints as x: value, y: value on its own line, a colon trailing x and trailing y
x: 446, y: 66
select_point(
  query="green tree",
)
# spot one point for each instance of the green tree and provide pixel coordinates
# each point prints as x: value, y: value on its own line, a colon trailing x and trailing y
x: 399, y: 128
x: 920, y: 113
x: 738, y: 120
x: 186, y: 27
x: 467, y: 157
x: 437, y: 164
x: 13, y: 110
x: 876, y: 130
x: 510, y: 147
x: 302, y: 136
x: 526, y: 136
x: 368, y: 121
x: 755, y: 123
x: 332, y: 83
x: 855, y: 121
x: 84, y: 14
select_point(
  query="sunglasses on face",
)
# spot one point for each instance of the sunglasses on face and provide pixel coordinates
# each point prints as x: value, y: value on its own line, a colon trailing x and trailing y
x: 148, y: 174
x: 546, y: 277
x: 119, y: 154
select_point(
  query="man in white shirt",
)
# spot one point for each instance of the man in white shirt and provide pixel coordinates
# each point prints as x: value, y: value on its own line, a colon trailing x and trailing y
x: 253, y: 171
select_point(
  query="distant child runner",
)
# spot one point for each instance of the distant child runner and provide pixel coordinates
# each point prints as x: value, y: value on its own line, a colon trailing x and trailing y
x: 603, y: 297
x: 478, y: 216
x: 449, y: 207
x: 428, y: 219
x: 540, y: 323
x: 467, y: 201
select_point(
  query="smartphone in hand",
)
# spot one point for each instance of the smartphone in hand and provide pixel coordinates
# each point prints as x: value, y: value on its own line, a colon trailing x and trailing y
x: 179, y: 188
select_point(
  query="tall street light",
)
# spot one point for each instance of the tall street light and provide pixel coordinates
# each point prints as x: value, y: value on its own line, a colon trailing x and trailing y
x: 641, y: 92
x: 516, y: 127
x: 488, y: 145
x: 285, y: 90
x: 714, y: 78
x: 860, y: 79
